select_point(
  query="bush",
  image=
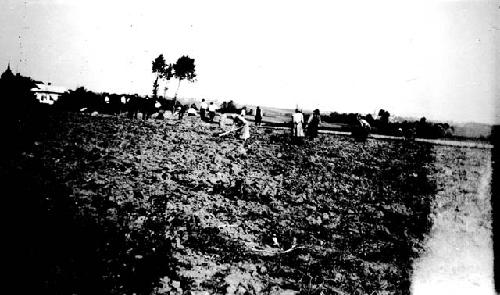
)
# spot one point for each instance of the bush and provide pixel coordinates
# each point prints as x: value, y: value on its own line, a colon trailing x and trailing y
x: 229, y: 107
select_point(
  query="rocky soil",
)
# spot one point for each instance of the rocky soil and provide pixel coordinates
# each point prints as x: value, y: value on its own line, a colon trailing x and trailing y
x: 117, y: 206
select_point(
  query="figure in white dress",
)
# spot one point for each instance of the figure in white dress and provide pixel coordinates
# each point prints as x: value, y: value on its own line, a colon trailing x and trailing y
x: 297, y: 122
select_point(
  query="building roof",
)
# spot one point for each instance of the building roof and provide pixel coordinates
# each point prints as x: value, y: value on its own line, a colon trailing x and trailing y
x: 46, y: 88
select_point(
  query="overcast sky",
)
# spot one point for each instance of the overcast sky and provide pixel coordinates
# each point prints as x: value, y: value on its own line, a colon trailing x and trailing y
x: 417, y: 58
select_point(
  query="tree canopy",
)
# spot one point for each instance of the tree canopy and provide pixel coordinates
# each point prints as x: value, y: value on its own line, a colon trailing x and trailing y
x: 159, y: 65
x: 162, y: 71
x: 184, y: 69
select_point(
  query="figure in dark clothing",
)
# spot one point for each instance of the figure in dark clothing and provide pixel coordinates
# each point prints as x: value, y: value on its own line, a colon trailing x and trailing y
x: 174, y: 105
x: 313, y: 124
x: 181, y: 111
x: 147, y: 107
x: 133, y: 107
x: 203, y: 110
x: 258, y: 116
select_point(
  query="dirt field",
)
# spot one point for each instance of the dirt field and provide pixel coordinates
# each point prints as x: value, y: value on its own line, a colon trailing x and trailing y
x: 459, y: 249
x: 165, y: 207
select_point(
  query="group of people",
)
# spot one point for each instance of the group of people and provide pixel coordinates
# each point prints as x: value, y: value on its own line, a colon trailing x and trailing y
x: 207, y: 111
x: 300, y: 128
x: 258, y: 115
x: 311, y: 126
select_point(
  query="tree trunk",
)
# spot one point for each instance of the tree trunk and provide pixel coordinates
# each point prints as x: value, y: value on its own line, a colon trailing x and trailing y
x: 155, y: 87
x: 178, y: 85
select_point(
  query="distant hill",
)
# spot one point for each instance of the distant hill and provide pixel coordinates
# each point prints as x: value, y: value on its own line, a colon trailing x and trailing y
x: 472, y: 130
x: 271, y: 111
x: 405, y: 118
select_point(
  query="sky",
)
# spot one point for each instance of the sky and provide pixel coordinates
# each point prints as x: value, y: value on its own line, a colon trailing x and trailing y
x: 436, y: 59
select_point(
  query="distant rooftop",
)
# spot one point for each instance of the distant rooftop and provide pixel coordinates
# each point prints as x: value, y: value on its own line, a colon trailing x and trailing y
x: 48, y: 88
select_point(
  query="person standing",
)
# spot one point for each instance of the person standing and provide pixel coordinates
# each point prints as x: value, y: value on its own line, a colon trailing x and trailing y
x: 203, y: 109
x: 133, y: 107
x: 148, y: 107
x: 313, y: 124
x: 211, y: 111
x: 181, y: 110
x: 297, y: 121
x: 258, y: 116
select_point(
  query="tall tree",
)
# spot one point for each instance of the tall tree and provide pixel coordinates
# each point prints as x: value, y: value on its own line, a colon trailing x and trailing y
x: 155, y: 88
x: 168, y: 73
x: 184, y: 69
x: 159, y: 65
x: 162, y: 71
x: 158, y: 68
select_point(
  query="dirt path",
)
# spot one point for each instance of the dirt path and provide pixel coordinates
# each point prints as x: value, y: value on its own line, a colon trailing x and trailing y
x: 459, y: 253
x: 445, y: 142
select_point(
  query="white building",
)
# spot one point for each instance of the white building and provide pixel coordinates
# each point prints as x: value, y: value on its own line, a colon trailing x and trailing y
x: 47, y: 93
